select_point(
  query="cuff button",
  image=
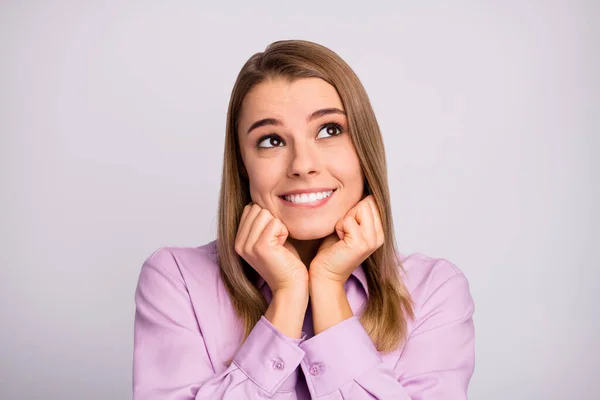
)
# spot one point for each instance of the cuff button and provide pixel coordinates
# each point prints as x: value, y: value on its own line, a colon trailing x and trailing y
x: 316, y: 369
x: 278, y: 365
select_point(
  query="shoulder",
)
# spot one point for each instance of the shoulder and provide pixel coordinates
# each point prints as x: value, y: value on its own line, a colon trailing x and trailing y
x: 181, y: 264
x: 184, y: 284
x: 435, y: 282
x: 190, y: 274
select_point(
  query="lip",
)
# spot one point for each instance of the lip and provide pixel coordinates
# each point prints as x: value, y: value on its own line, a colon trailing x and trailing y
x: 307, y: 191
x: 316, y: 204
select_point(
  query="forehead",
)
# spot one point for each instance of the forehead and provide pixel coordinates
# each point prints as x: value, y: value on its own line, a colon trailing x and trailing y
x: 280, y: 99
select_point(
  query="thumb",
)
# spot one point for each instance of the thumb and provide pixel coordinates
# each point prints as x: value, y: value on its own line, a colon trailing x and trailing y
x: 292, y: 249
x: 339, y: 229
x: 275, y: 232
x: 282, y: 233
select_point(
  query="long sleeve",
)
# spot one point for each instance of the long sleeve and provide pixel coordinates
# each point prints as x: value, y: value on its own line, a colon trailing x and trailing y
x: 171, y: 360
x: 437, y: 361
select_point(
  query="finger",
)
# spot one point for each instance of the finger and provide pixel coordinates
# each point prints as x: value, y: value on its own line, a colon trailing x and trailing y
x: 274, y: 232
x: 244, y: 229
x: 354, y: 210
x: 258, y: 225
x: 364, y: 217
x: 339, y: 225
x: 350, y: 230
x: 239, y: 236
x: 244, y: 214
x: 379, y: 234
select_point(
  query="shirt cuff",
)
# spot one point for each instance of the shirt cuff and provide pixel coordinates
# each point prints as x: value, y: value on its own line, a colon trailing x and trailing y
x: 269, y: 358
x: 338, y: 355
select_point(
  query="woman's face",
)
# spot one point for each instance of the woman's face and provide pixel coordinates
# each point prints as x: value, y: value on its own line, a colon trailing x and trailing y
x: 294, y: 138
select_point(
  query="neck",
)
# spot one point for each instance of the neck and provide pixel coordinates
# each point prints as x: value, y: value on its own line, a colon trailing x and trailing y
x: 307, y: 249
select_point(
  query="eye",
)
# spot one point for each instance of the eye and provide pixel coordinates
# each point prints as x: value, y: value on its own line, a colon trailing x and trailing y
x: 270, y: 140
x: 330, y: 129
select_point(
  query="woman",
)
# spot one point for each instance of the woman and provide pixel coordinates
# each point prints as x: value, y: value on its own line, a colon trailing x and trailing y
x: 303, y: 295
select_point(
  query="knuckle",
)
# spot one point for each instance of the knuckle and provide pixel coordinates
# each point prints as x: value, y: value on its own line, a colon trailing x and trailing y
x: 239, y: 249
x: 259, y: 247
x: 256, y: 246
x: 264, y: 212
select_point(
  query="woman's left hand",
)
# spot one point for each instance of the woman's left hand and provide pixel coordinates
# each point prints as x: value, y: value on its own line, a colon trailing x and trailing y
x: 356, y: 237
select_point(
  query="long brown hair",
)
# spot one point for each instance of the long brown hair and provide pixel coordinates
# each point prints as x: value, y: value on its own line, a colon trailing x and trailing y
x: 389, y: 304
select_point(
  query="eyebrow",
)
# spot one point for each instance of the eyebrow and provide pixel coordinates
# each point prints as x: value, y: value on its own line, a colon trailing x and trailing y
x: 311, y: 117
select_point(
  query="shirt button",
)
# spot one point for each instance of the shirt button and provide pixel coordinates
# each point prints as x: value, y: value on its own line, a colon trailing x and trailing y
x: 315, y: 369
x: 278, y: 365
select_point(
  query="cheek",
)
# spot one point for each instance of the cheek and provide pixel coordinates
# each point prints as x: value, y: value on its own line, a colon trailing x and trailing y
x: 262, y: 183
x: 355, y: 187
x: 346, y: 167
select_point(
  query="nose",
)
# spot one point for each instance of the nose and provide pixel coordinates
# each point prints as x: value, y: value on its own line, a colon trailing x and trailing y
x: 304, y: 160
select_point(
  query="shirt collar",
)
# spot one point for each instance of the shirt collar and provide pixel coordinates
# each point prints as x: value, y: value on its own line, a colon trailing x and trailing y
x: 358, y: 273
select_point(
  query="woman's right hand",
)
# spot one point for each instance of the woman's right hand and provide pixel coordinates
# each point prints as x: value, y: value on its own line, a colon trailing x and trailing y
x: 262, y: 241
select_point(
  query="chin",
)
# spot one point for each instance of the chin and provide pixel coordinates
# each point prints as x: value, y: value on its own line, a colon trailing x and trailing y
x: 300, y: 232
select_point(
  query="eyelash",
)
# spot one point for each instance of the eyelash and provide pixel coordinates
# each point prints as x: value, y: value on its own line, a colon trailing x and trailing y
x: 276, y: 136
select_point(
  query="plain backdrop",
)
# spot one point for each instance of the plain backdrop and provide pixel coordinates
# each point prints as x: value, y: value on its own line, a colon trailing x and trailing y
x: 112, y: 118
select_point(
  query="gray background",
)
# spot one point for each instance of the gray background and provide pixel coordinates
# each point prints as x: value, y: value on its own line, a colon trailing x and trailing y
x: 112, y: 119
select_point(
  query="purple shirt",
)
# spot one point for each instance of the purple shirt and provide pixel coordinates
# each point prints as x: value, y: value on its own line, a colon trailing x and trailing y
x: 186, y: 331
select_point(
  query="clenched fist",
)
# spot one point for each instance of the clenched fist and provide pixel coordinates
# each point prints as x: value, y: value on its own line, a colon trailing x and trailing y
x: 262, y: 241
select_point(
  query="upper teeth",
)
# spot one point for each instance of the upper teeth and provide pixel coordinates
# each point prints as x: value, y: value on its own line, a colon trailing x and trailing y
x: 307, y: 197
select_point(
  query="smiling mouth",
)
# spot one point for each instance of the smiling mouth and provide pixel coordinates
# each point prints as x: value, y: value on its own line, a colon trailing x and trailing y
x: 310, y: 200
